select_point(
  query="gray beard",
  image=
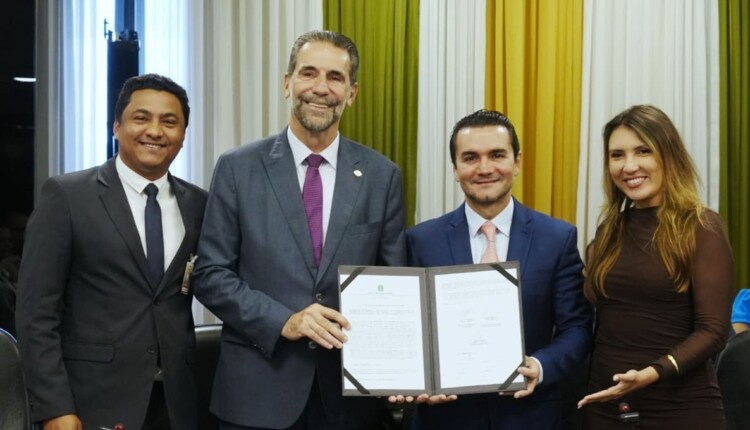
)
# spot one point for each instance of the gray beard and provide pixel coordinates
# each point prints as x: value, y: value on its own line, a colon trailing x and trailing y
x: 313, y: 125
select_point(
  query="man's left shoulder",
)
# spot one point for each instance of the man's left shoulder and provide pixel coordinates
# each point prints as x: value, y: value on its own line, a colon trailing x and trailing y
x: 370, y: 155
x: 189, y: 188
x: 544, y: 221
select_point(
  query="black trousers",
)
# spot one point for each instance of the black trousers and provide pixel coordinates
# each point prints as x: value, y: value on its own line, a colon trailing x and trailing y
x: 157, y: 416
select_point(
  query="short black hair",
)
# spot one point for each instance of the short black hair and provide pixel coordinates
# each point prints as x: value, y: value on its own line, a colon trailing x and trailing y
x: 151, y: 81
x: 336, y: 39
x: 483, y: 118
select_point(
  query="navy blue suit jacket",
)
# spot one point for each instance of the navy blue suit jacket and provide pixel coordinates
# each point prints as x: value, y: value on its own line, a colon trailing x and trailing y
x: 557, y: 318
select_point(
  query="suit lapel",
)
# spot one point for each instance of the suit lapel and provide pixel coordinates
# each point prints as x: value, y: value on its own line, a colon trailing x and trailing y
x: 116, y: 204
x: 282, y: 174
x: 344, y: 195
x: 190, y: 221
x: 521, y: 233
x: 458, y: 237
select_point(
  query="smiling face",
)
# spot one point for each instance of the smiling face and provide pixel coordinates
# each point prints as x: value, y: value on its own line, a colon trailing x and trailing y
x: 635, y: 169
x: 150, y: 132
x: 486, y: 168
x: 320, y: 88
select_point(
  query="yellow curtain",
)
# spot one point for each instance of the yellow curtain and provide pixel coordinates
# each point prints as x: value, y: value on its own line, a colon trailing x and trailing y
x: 534, y: 77
x: 384, y: 116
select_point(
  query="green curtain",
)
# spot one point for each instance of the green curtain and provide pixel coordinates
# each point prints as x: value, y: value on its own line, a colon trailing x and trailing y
x: 384, y: 116
x: 734, y: 40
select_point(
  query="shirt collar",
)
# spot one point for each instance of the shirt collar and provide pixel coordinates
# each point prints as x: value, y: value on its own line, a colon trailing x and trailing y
x: 134, y: 180
x: 502, y: 221
x: 300, y: 151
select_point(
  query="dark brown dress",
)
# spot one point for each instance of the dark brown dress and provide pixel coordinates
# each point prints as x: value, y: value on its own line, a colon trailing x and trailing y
x: 644, y: 318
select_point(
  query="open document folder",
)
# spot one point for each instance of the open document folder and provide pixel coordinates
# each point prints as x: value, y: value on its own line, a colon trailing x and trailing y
x: 441, y: 330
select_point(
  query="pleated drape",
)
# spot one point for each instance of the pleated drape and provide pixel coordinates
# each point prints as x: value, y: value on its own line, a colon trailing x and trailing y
x: 734, y: 35
x: 534, y: 77
x: 384, y: 116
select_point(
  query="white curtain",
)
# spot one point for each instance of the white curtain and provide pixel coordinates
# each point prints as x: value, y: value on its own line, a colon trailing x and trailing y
x: 171, y: 45
x: 241, y: 70
x: 230, y: 55
x: 246, y: 55
x: 71, y: 113
x: 660, y: 52
x: 451, y: 85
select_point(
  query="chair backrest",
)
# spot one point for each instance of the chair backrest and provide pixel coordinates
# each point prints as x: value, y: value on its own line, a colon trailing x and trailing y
x: 733, y: 374
x: 207, y: 340
x: 14, y: 405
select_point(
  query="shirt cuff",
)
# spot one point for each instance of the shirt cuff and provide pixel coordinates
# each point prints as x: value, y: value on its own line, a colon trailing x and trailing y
x: 541, y: 370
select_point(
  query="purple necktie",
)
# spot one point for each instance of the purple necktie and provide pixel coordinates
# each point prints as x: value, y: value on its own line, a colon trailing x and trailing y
x: 312, y: 196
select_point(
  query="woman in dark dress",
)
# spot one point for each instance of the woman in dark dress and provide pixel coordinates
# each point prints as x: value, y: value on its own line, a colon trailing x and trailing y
x: 659, y: 272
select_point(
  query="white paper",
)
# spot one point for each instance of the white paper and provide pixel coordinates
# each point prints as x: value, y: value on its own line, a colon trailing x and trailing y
x: 384, y: 350
x: 479, y: 334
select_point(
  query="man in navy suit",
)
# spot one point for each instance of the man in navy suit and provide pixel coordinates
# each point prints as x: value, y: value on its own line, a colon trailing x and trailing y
x: 265, y: 269
x: 557, y: 319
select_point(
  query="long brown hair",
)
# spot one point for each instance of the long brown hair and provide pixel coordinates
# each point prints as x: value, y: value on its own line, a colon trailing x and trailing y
x: 678, y: 216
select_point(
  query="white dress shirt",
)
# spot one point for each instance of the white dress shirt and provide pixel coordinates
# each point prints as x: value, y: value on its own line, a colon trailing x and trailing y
x: 171, y: 219
x: 327, y: 171
x: 479, y: 241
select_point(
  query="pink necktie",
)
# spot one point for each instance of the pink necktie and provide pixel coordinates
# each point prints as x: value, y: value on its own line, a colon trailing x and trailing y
x: 490, y: 254
x: 312, y: 196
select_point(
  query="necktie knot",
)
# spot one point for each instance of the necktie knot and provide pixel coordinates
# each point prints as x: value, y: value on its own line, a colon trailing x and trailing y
x: 314, y: 160
x: 151, y: 190
x: 490, y: 254
x: 489, y: 230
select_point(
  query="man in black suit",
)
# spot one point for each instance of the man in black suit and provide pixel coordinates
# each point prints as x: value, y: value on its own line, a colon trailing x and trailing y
x: 104, y: 324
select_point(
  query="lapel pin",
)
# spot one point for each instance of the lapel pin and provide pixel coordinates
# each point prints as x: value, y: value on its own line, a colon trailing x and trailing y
x: 358, y: 173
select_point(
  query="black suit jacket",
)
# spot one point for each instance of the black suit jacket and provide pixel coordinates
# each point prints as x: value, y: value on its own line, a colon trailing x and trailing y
x: 90, y: 323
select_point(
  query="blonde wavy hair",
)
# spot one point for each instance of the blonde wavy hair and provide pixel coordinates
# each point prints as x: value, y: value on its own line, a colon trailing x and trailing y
x: 679, y: 214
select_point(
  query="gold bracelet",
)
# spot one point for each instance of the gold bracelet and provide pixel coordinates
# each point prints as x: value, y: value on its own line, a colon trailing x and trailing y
x: 674, y: 362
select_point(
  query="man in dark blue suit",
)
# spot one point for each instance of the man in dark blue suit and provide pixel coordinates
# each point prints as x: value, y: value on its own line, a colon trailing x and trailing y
x: 557, y: 319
